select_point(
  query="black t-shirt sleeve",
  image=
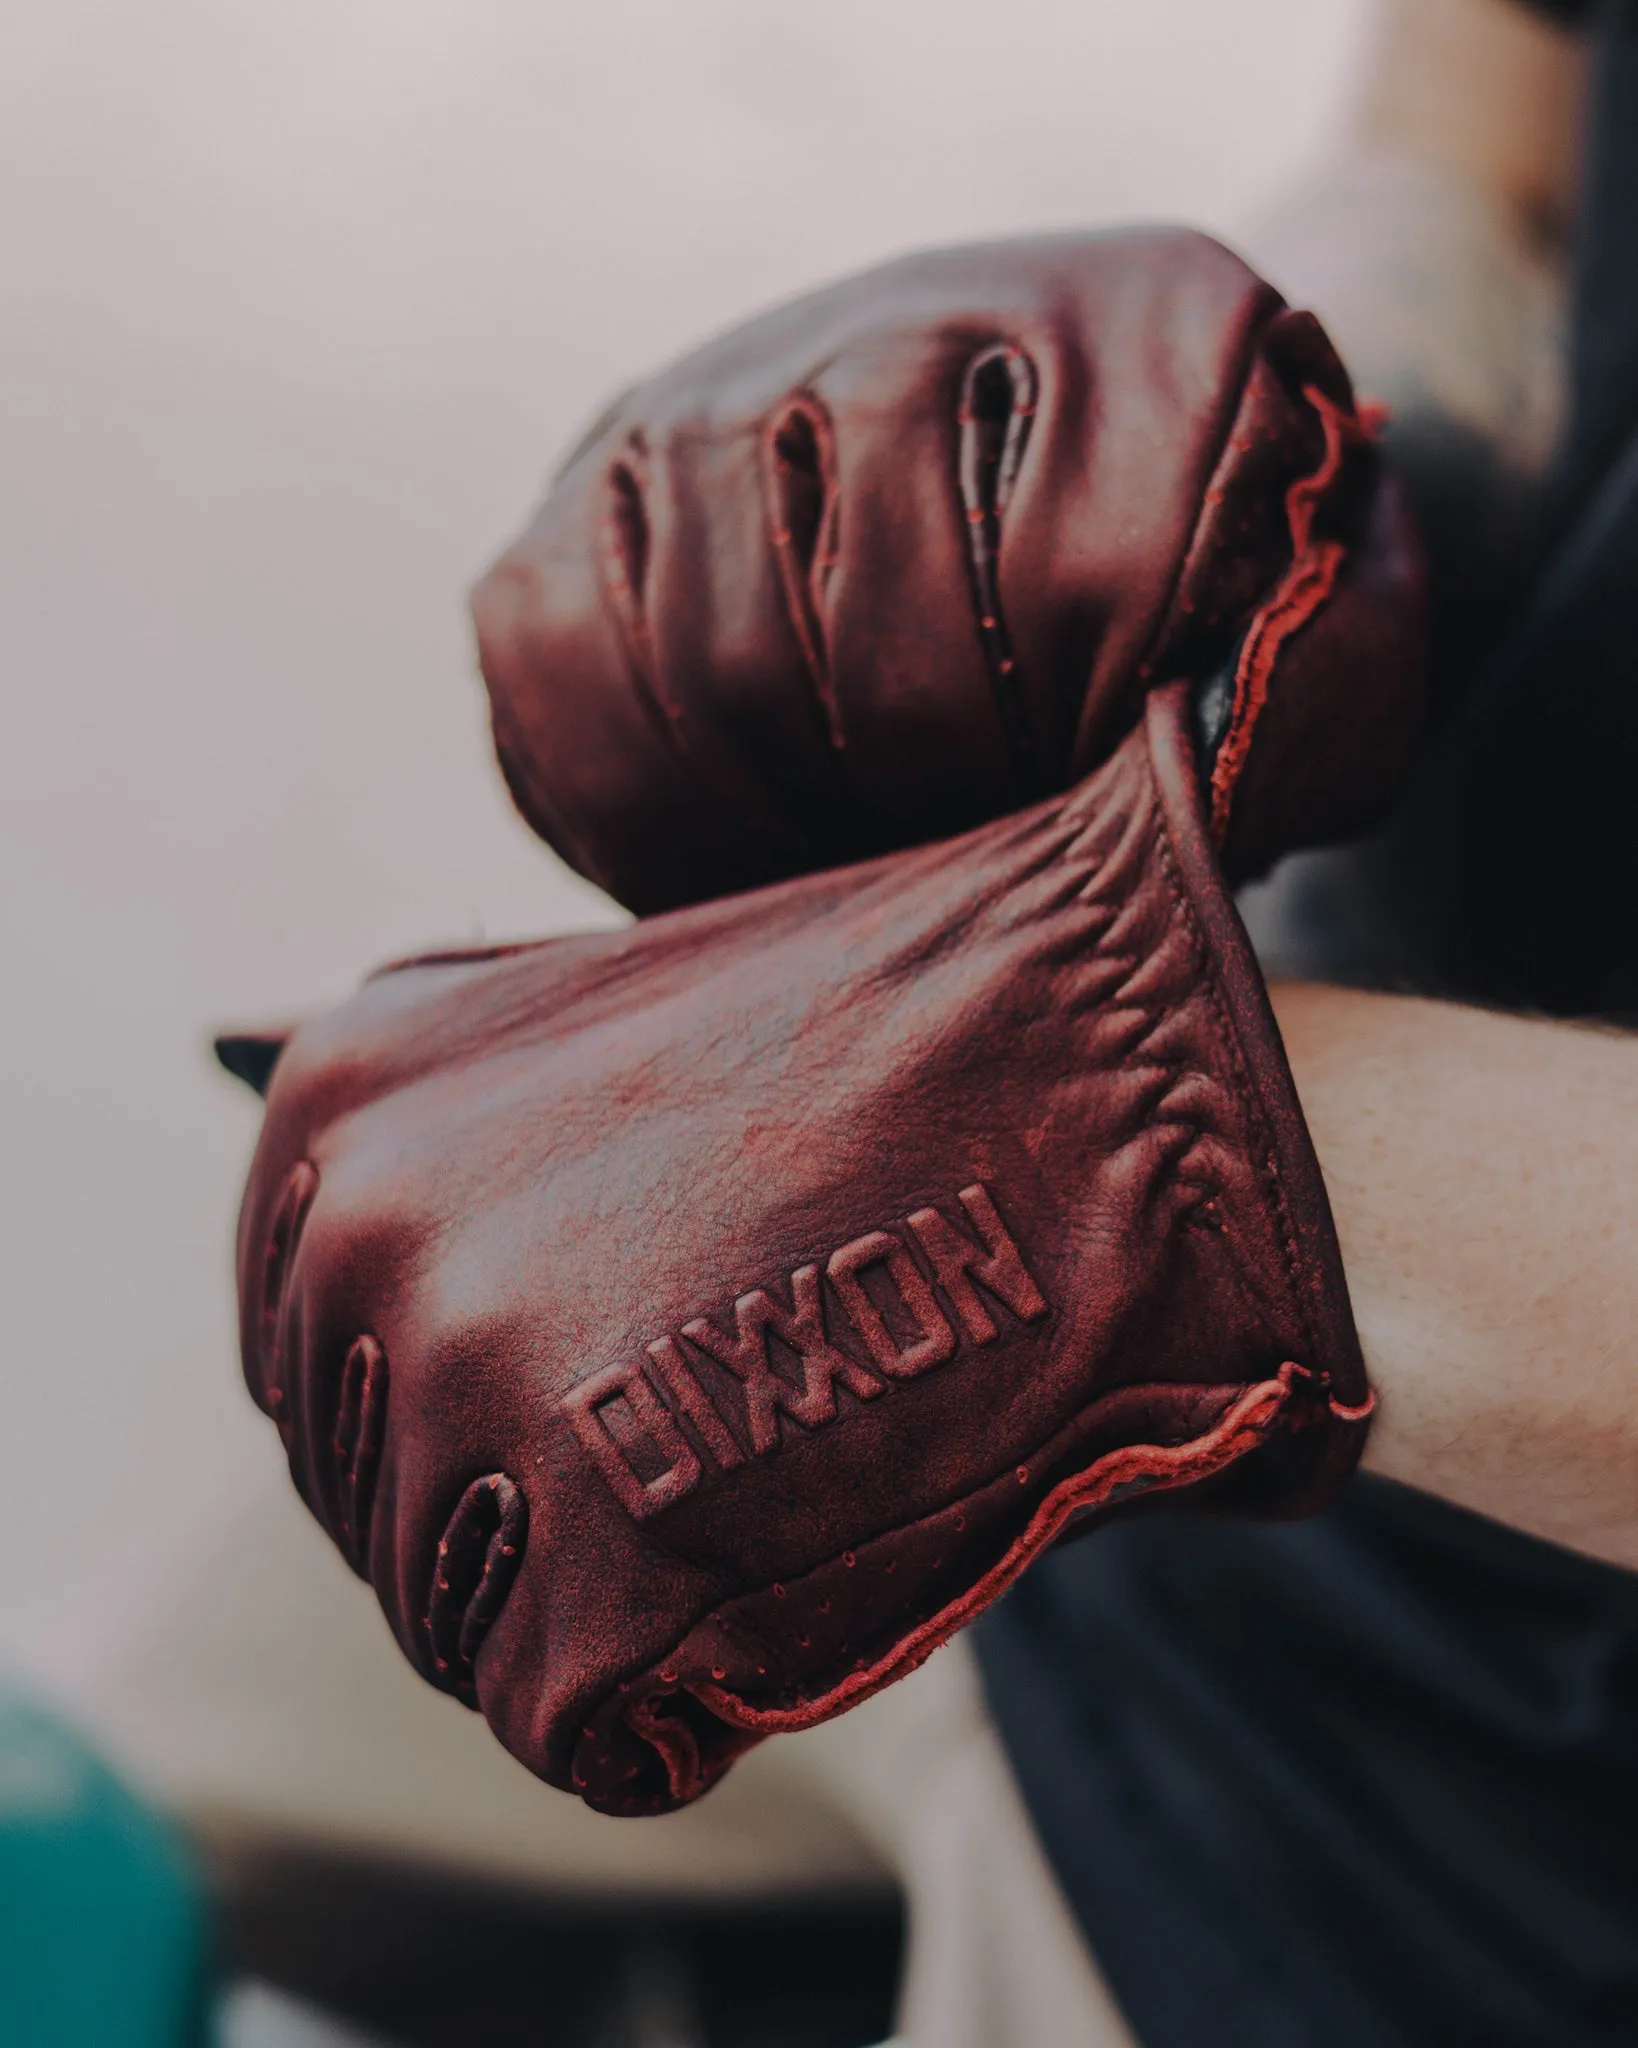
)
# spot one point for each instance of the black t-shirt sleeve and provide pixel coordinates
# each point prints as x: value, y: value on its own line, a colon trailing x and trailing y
x: 1571, y: 12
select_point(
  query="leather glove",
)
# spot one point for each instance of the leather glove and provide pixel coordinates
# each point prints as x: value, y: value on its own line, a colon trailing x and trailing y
x: 688, y: 1328
x: 909, y: 553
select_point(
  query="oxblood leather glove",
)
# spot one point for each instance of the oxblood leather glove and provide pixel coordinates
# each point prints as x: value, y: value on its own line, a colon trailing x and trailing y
x: 909, y: 553
x: 688, y: 1328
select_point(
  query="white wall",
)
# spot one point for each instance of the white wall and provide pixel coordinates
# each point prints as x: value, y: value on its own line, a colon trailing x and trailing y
x: 297, y: 298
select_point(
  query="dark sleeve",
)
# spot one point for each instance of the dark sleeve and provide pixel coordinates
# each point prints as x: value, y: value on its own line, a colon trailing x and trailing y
x: 1572, y: 13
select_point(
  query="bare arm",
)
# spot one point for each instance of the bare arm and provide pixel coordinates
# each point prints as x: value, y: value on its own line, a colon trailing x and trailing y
x: 1431, y: 242
x: 1484, y: 89
x: 1484, y: 1174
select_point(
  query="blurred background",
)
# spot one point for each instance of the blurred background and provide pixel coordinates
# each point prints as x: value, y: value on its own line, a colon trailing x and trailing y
x: 297, y: 303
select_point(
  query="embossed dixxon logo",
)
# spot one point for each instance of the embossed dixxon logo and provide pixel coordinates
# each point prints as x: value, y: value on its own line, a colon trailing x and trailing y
x: 905, y: 1322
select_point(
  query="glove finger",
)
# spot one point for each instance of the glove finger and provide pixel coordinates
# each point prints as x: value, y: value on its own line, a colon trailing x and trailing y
x: 429, y: 1519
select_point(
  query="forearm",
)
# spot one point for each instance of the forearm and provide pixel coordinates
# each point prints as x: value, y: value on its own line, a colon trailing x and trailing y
x: 1483, y: 1170
x: 1488, y: 89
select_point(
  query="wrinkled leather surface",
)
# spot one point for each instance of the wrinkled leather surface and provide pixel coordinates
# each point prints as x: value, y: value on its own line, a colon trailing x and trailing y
x: 687, y: 1328
x: 907, y: 553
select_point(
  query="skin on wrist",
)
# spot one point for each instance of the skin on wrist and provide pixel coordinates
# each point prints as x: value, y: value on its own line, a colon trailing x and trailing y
x: 1483, y: 1171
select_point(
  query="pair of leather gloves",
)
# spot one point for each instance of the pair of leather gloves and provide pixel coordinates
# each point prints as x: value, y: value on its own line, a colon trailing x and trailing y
x: 686, y: 1329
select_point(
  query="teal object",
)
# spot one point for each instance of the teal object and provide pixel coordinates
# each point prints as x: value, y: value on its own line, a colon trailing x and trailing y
x: 102, y: 1940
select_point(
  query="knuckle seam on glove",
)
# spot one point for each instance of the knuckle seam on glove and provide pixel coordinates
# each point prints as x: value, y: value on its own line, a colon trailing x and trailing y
x: 475, y: 1566
x: 357, y: 1440
x: 798, y: 447
x: 278, y: 1262
x: 987, y: 469
x: 623, y: 550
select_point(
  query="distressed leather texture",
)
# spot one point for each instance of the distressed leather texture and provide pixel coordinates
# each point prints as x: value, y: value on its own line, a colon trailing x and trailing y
x: 909, y: 553
x: 686, y: 1329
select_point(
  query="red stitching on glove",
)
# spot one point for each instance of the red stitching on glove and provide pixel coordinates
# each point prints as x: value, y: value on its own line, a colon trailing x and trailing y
x: 1299, y: 594
x: 1250, y: 1422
